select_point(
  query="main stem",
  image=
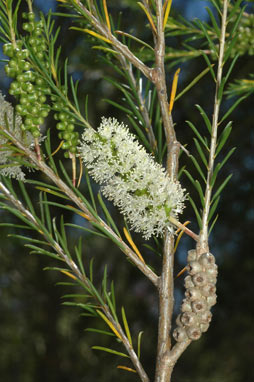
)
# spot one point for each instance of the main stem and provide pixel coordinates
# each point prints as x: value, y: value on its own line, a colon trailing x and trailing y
x: 166, y: 284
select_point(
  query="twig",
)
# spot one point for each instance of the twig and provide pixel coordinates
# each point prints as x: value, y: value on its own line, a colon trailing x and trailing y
x: 203, y: 241
x: 133, y: 356
x: 173, y: 355
x: 118, y: 46
x: 75, y: 199
x: 142, y: 107
x: 74, y: 268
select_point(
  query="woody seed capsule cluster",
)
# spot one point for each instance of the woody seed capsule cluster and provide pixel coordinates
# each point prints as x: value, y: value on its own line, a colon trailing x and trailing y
x: 200, y: 296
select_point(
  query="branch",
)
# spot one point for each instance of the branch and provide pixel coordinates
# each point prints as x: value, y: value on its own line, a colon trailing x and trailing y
x: 75, y: 270
x: 166, y: 286
x: 142, y: 107
x: 203, y: 240
x: 19, y: 206
x: 71, y: 194
x: 117, y: 45
x: 133, y: 356
x: 171, y: 356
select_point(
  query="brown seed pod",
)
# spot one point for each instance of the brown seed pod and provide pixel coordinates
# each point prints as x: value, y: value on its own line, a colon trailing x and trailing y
x: 194, y: 267
x: 193, y: 294
x: 204, y: 327
x: 194, y: 333
x: 211, y: 300
x: 208, y: 290
x: 200, y: 297
x: 206, y: 259
x: 212, y: 272
x: 188, y: 318
x: 205, y: 317
x: 199, y: 279
x: 188, y: 283
x: 186, y: 306
x: 180, y: 334
x: 192, y: 255
x: 178, y: 320
x: 199, y: 306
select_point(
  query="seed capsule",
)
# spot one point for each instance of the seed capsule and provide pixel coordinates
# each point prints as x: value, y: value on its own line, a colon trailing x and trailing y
x: 188, y: 318
x: 188, y: 283
x: 206, y: 259
x: 211, y: 300
x: 208, y: 290
x: 194, y: 333
x: 193, y: 294
x: 199, y: 279
x: 186, y: 306
x: 199, y: 306
x: 178, y: 320
x: 194, y: 267
x: 180, y: 334
x: 205, y: 317
x: 204, y: 327
x: 192, y: 255
x: 212, y: 271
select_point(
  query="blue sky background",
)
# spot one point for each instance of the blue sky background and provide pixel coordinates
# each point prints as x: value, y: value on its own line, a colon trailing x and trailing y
x: 191, y: 8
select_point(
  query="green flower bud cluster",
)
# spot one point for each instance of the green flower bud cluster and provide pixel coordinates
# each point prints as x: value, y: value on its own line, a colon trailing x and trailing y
x: 30, y: 90
x: 200, y: 296
x: 245, y: 37
x: 65, y: 126
x: 244, y: 43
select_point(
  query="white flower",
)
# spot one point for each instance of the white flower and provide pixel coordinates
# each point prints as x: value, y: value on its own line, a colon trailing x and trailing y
x: 131, y: 178
x: 11, y: 122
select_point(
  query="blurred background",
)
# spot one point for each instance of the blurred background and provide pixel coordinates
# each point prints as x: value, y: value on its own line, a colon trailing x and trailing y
x: 42, y: 340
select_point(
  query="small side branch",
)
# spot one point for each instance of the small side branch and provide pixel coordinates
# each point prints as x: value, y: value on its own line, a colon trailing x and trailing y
x: 203, y: 240
x: 76, y: 272
x: 117, y: 45
x: 42, y: 166
x: 144, y: 112
x: 133, y: 356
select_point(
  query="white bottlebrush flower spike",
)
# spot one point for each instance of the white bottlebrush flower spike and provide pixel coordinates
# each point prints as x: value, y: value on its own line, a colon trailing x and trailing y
x: 131, y: 178
x: 11, y: 122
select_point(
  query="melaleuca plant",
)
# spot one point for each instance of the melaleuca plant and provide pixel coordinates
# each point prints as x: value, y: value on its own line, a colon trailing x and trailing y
x: 134, y: 161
